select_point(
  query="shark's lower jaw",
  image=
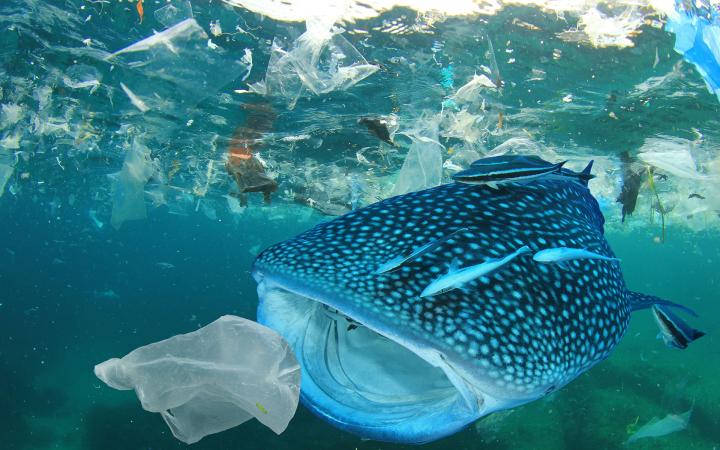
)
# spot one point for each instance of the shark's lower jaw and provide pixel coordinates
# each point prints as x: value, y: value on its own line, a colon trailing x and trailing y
x: 361, y: 381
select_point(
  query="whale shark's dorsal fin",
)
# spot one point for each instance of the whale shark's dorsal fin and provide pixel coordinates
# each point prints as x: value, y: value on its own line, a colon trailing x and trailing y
x: 586, y: 175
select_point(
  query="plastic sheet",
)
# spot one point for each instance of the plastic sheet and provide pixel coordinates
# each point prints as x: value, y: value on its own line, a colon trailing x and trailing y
x: 422, y: 167
x: 176, y: 69
x: 212, y: 379
x: 697, y: 38
x: 173, y: 12
x: 129, y: 183
x: 672, y: 155
x: 321, y: 60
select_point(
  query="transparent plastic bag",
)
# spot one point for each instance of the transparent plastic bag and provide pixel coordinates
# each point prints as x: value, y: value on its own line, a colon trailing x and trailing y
x: 212, y: 379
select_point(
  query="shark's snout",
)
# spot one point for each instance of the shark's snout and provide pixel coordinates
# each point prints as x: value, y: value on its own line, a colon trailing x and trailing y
x: 363, y: 381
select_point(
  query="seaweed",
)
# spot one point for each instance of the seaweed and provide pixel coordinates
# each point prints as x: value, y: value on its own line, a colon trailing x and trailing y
x: 660, y: 208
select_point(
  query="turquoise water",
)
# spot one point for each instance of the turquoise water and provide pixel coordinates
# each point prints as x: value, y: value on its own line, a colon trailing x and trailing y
x: 76, y: 290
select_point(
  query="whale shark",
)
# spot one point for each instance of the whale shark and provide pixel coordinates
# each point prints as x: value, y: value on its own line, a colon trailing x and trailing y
x: 383, y: 361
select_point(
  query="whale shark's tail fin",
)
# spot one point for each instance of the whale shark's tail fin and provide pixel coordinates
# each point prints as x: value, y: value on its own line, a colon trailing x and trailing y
x: 643, y: 301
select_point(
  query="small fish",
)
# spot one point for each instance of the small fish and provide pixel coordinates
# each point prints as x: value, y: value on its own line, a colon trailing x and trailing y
x: 457, y: 277
x: 108, y: 293
x: 378, y: 127
x: 398, y: 261
x: 631, y: 182
x: 495, y: 170
x: 165, y: 265
x: 563, y: 254
x: 673, y: 330
x: 694, y: 195
x: 140, y: 10
x: 260, y: 407
x: 134, y: 99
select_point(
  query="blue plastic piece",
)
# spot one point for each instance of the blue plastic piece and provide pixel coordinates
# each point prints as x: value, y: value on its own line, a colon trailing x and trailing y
x: 447, y: 75
x: 697, y: 38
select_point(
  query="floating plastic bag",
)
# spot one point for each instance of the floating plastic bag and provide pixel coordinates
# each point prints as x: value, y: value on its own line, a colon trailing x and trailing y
x: 423, y: 164
x: 212, y: 379
x: 321, y: 61
x: 176, y: 69
x: 128, y: 185
x: 470, y: 91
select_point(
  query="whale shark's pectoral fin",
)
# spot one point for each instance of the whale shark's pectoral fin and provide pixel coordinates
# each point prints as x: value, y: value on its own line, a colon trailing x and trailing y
x: 398, y: 261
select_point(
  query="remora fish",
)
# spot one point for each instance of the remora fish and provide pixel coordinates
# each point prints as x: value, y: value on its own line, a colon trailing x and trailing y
x: 673, y: 330
x: 417, y: 369
x: 457, y: 277
x: 563, y: 254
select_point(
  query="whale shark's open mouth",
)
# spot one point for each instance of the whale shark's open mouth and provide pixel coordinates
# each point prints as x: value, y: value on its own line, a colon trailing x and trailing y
x: 361, y: 380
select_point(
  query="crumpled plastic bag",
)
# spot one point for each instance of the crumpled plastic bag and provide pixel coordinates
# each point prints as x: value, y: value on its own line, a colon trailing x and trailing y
x: 212, y: 379
x: 321, y: 60
x: 470, y: 91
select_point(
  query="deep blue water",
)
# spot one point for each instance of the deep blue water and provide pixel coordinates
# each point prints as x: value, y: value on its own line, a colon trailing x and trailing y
x: 73, y: 294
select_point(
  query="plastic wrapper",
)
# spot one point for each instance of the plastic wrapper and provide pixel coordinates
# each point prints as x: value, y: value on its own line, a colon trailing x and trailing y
x: 128, y: 185
x: 321, y: 60
x: 212, y: 379
x: 175, y: 69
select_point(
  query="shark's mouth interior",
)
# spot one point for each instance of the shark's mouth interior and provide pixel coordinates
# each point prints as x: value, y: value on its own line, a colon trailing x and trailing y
x: 362, y: 381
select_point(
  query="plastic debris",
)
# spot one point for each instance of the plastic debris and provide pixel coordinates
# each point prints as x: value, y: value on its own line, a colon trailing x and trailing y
x: 697, y: 38
x: 672, y: 155
x: 212, y: 379
x: 129, y: 183
x: 661, y: 427
x: 611, y: 30
x: 422, y: 167
x: 10, y: 114
x: 6, y: 171
x: 174, y: 12
x: 175, y: 69
x: 93, y: 217
x: 321, y: 60
x: 470, y: 91
x: 81, y: 76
